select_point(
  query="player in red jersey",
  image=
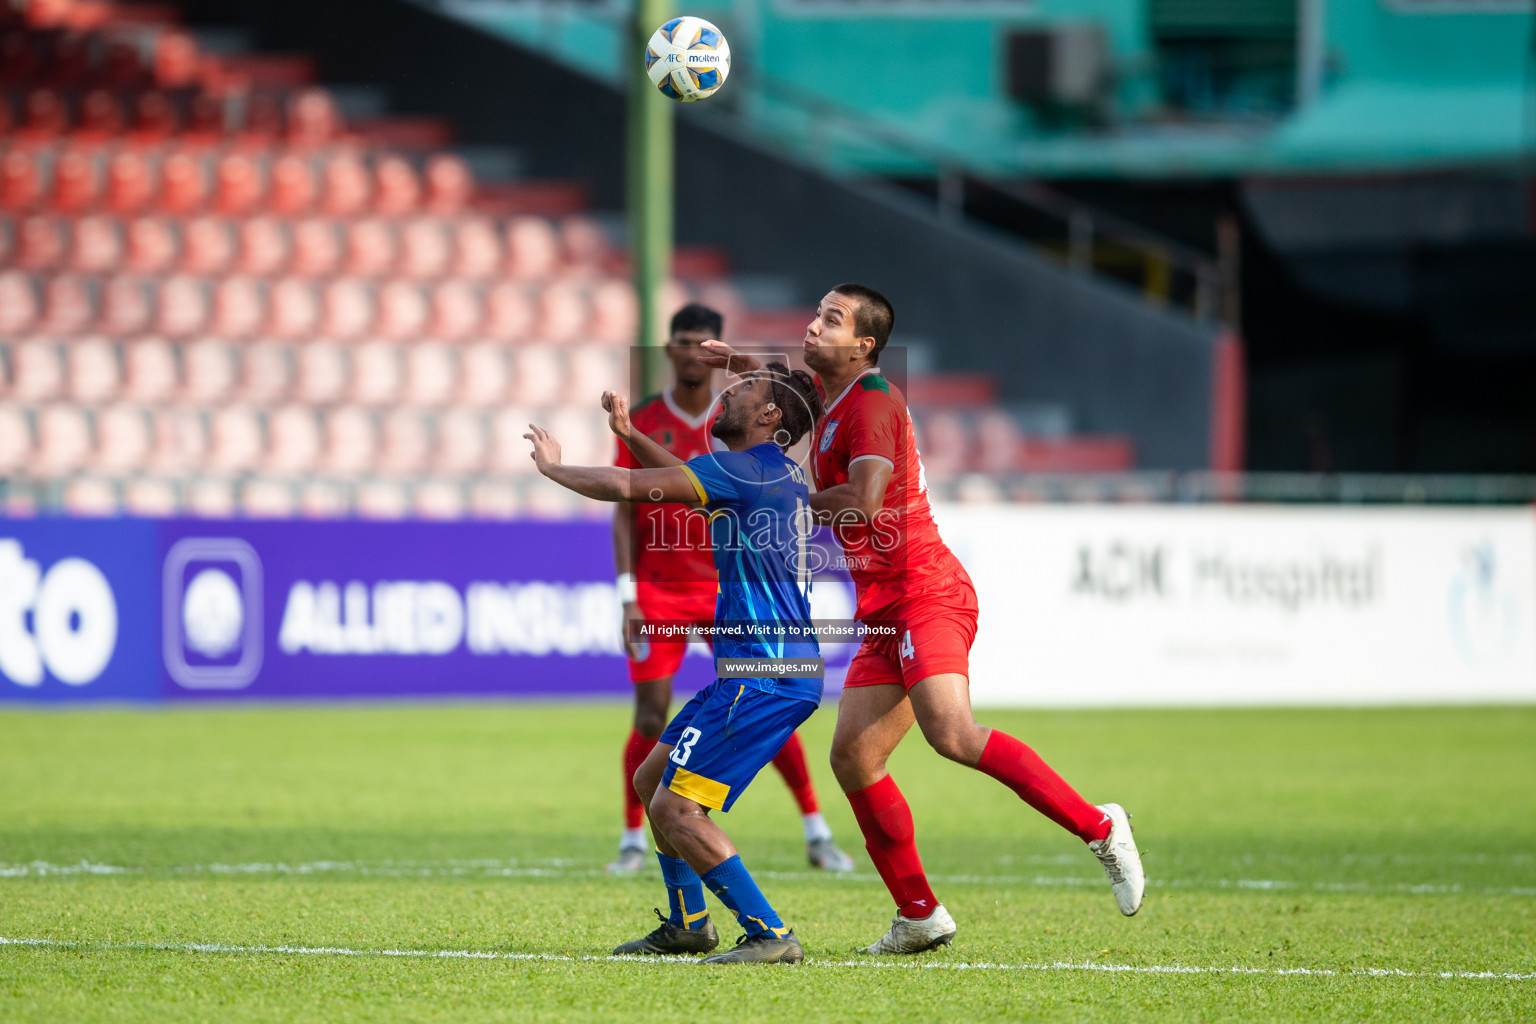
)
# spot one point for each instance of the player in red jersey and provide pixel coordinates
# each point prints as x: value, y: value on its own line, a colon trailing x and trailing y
x: 870, y: 487
x: 666, y: 571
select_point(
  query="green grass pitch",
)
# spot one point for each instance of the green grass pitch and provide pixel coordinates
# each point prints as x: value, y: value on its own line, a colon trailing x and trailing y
x: 188, y: 865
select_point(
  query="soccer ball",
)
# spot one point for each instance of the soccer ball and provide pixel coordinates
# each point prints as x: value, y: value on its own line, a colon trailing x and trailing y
x: 688, y: 59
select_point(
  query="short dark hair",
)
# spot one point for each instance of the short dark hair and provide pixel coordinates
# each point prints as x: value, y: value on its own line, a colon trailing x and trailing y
x: 697, y: 317
x: 874, y: 317
x: 798, y: 414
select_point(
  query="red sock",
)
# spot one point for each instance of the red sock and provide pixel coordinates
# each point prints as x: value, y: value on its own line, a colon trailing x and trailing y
x: 790, y: 761
x: 886, y: 821
x: 635, y: 751
x: 1021, y: 770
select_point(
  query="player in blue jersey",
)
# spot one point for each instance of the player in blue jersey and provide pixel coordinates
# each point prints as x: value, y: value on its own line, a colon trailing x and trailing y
x: 759, y: 522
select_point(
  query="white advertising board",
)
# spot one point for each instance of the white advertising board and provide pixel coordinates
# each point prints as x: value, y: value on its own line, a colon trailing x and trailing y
x: 1125, y: 605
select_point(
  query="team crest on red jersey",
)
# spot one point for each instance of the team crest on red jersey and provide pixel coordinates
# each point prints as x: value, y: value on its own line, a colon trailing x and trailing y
x: 826, y: 435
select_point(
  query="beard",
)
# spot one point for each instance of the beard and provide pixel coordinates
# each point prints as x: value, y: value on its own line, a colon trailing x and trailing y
x: 725, y: 426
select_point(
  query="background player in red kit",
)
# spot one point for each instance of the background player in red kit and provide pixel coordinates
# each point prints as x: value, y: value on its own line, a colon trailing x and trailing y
x: 870, y: 487
x: 666, y: 571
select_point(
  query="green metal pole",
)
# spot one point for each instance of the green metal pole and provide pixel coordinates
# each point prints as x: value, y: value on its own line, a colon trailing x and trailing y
x: 650, y: 192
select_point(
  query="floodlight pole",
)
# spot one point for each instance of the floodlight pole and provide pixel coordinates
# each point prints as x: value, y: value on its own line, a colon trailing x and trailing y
x: 650, y: 165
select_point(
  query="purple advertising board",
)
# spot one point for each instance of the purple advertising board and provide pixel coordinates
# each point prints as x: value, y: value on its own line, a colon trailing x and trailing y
x: 197, y: 610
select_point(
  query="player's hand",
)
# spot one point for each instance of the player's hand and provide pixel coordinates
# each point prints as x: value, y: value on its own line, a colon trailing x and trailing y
x: 617, y: 408
x: 722, y: 357
x: 632, y: 644
x: 546, y: 450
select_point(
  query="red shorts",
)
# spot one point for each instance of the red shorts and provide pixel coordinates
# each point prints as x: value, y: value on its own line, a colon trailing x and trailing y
x: 936, y: 626
x: 692, y: 602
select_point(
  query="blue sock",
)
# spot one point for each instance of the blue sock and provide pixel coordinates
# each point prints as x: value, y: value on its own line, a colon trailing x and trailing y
x: 735, y: 888
x: 685, y: 893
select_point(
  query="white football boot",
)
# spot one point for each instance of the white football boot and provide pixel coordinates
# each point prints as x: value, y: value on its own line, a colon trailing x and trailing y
x: 1122, y: 863
x: 916, y: 934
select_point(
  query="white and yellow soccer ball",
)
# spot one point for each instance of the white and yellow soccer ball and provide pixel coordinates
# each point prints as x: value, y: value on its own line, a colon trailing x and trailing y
x: 688, y: 59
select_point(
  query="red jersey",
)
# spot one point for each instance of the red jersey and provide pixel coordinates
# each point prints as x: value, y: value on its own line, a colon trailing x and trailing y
x: 671, y: 540
x: 901, y: 551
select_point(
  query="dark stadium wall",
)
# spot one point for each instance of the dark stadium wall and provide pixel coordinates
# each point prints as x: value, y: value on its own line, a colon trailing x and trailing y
x: 979, y: 300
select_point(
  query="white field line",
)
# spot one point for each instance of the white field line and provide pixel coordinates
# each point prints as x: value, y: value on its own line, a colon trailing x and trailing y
x: 556, y: 869
x: 472, y: 954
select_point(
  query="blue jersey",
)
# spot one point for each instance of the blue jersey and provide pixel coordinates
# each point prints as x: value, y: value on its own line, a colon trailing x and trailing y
x: 759, y: 526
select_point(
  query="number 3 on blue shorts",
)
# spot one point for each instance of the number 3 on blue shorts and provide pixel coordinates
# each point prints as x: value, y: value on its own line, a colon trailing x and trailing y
x: 685, y: 744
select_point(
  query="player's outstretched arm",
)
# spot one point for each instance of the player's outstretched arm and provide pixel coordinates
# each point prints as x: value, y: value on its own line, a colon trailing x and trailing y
x: 647, y: 452
x: 610, y: 483
x: 860, y: 499
x: 722, y: 357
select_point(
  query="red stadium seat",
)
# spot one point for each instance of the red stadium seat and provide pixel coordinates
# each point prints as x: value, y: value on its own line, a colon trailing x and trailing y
x: 375, y: 374
x: 44, y: 115
x: 154, y: 118
x: 381, y: 499
x: 494, y: 499
x: 150, y: 497
x: 71, y: 58
x: 267, y: 499
x: 21, y: 180
x: 123, y: 439
x: 320, y: 374
x: 562, y: 311
x: 37, y: 370
x: 402, y: 311
x: 238, y: 309
x: 89, y: 496
x: 238, y: 184
x: 209, y: 498
x: 450, y: 184
x: 209, y: 368
x: 997, y: 442
x: 181, y: 439
x: 208, y: 118
x: 347, y: 188
x: 151, y: 245
x: 183, y: 308
x: 293, y: 441
x: 455, y: 311
x: 584, y: 436
x: 370, y: 248
x: 63, y: 440
x: 235, y: 442
x: 266, y: 373
x: 67, y: 306
x: 508, y: 313
x: 94, y: 372
x: 15, y: 440
x: 406, y: 444
x: 538, y: 376
x: 76, y: 183
x: 176, y: 60
x: 484, y: 376
x: 123, y: 67
x: 461, y: 443
x: 347, y: 309
x: 430, y: 374
x: 424, y: 248
x: 323, y: 499
x: 293, y: 309
x: 533, y: 251
x: 18, y: 57
x: 438, y: 499
x: 396, y: 189
x: 149, y: 374
x: 262, y: 124
x: 263, y: 247
x: 129, y: 182
x: 615, y: 312
x: 584, y: 244
x: 183, y: 183
x: 98, y: 245
x: 350, y: 442
x: 476, y: 249
x: 293, y: 185
x: 125, y: 306
x: 945, y: 441
x: 101, y: 117
x: 207, y: 245
x: 509, y: 449
x: 40, y: 243
x: 316, y: 248
x: 18, y: 303
x: 313, y: 118
x: 591, y: 371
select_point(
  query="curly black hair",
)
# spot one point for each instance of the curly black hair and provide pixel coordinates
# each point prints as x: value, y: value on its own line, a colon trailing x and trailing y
x: 794, y: 393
